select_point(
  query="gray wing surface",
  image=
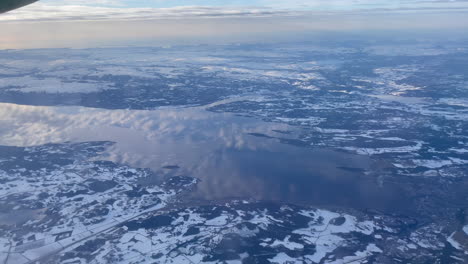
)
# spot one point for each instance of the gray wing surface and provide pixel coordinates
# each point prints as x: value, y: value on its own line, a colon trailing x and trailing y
x: 8, y: 5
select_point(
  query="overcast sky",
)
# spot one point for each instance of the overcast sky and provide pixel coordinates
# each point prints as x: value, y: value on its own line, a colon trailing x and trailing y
x: 76, y: 23
x: 284, y: 4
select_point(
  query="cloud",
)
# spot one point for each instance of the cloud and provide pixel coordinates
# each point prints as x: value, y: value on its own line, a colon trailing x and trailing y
x: 86, y: 10
x: 45, y: 12
x: 219, y: 30
x: 75, y: 23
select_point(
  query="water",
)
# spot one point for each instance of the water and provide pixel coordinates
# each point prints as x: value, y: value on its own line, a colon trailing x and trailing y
x: 234, y: 157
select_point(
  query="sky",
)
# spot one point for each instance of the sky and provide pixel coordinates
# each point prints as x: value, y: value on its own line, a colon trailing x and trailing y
x: 83, y: 23
x: 283, y: 4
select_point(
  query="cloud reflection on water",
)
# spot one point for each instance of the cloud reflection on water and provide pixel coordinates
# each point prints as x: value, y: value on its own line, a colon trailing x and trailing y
x: 217, y: 148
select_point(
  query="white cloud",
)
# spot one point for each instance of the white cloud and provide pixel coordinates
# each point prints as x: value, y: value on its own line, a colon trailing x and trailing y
x: 78, y: 10
x: 46, y: 12
x: 76, y: 23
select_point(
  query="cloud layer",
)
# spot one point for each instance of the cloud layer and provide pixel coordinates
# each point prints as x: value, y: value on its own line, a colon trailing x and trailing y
x: 44, y: 12
x: 86, y: 23
x: 79, y: 10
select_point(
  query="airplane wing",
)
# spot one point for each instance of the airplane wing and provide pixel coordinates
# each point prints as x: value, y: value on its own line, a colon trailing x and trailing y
x: 8, y: 5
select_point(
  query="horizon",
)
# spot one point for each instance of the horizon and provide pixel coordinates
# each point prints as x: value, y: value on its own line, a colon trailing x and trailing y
x: 84, y: 24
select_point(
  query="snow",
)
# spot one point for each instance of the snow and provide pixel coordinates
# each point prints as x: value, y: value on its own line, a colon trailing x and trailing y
x: 460, y: 151
x: 17, y: 258
x: 25, y: 125
x: 29, y: 84
x: 453, y: 242
x: 287, y: 244
x: 359, y: 256
x: 454, y: 101
x: 283, y: 258
x: 70, y: 178
x: 326, y: 237
x: 122, y: 70
x: 376, y: 151
x: 432, y: 164
x: 428, y: 237
x: 218, y: 221
x: 143, y: 244
x: 412, y: 246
